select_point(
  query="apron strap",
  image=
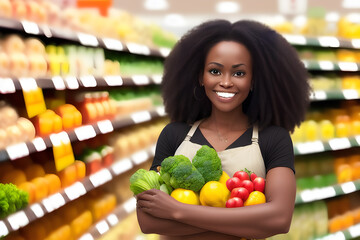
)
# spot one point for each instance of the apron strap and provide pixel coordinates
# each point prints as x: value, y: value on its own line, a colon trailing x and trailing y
x: 255, y: 134
x: 192, y: 130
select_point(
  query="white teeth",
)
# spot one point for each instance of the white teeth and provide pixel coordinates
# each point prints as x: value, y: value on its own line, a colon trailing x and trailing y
x: 225, y: 94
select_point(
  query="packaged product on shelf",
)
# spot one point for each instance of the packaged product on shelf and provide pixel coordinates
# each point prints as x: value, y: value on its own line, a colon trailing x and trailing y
x: 47, y: 123
x: 71, y: 117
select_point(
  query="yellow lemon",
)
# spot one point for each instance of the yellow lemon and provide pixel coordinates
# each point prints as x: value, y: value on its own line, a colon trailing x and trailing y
x: 185, y: 196
x: 214, y: 194
x: 255, y: 197
x: 224, y: 177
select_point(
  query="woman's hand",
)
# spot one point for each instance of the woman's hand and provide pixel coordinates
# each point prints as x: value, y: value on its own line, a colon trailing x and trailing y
x: 157, y: 204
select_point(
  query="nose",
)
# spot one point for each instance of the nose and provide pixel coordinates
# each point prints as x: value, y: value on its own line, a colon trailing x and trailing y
x: 226, y: 82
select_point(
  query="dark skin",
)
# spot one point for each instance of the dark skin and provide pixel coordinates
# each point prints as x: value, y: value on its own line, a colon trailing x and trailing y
x: 227, y: 82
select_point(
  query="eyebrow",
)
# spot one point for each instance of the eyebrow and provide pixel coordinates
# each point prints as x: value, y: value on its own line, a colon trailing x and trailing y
x: 233, y: 66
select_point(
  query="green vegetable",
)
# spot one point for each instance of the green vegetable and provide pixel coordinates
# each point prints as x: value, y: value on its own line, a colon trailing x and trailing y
x: 178, y: 172
x: 11, y: 199
x: 143, y: 180
x: 208, y: 163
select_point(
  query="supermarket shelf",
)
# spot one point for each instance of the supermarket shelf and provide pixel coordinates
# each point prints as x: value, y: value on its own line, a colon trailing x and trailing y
x: 11, y: 85
x: 84, y: 39
x: 78, y: 189
x: 323, y: 146
x: 310, y: 195
x: 349, y: 233
x: 345, y: 94
x: 79, y: 134
x: 314, y: 65
x: 103, y: 226
x: 324, y: 41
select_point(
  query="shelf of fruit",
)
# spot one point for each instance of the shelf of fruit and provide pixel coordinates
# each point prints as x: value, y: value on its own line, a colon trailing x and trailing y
x: 84, y: 39
x: 37, y: 210
x: 322, y: 41
x: 11, y: 85
x: 339, y: 94
x: 325, y: 65
x: 314, y: 194
x: 103, y: 226
x: 81, y: 133
x: 349, y: 233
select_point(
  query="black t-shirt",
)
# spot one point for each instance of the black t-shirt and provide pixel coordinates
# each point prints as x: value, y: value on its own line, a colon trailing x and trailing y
x: 275, y: 144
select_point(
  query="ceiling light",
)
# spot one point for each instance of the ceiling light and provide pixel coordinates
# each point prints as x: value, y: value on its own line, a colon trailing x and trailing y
x: 156, y: 5
x: 174, y: 20
x: 227, y: 7
x: 351, y: 3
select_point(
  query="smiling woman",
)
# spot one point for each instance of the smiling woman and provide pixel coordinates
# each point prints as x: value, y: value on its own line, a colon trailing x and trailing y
x: 254, y: 91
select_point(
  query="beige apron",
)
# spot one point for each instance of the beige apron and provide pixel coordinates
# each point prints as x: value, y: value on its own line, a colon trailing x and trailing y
x: 232, y: 160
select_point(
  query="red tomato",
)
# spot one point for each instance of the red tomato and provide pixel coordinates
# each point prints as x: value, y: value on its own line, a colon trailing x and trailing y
x: 249, y: 185
x: 232, y: 183
x: 252, y: 176
x: 242, y: 175
x: 240, y: 192
x: 259, y: 184
x: 234, y: 202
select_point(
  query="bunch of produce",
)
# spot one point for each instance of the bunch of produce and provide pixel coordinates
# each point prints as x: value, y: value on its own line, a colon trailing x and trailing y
x: 11, y: 199
x: 246, y: 189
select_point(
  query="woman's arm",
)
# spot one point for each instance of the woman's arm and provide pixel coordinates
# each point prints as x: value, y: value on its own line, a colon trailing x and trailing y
x: 258, y: 221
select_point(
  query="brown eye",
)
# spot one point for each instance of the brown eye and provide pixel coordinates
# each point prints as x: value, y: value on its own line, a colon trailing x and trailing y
x: 214, y: 71
x: 239, y: 74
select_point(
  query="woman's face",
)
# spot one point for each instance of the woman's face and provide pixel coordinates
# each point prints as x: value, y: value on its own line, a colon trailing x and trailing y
x: 227, y: 75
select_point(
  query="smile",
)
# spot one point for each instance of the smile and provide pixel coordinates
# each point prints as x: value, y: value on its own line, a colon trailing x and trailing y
x: 225, y: 94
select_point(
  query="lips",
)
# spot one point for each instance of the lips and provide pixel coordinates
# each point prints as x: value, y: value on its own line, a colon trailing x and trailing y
x: 225, y: 94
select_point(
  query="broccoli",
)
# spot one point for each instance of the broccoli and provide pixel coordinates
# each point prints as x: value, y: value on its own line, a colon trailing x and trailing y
x: 143, y: 180
x: 178, y: 172
x: 208, y: 163
x: 12, y: 199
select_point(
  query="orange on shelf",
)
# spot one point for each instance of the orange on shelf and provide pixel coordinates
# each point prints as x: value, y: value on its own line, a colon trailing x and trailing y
x: 63, y: 232
x: 47, y: 123
x: 354, y: 162
x: 30, y: 188
x: 34, y: 230
x: 70, y: 116
x: 344, y: 173
x: 54, y: 183
x: 42, y: 188
x: 356, y: 214
x: 80, y: 169
x: 68, y: 176
x: 81, y: 223
x: 327, y: 130
x: 102, y: 5
x: 34, y: 170
x: 311, y: 130
x: 342, y: 126
x: 347, y: 219
x: 15, y: 176
x: 335, y: 224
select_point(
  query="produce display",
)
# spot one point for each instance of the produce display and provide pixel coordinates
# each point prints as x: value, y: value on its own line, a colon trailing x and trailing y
x: 11, y: 199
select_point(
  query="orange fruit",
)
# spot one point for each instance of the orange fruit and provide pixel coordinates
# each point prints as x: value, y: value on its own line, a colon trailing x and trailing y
x: 42, y: 188
x: 33, y: 171
x: 80, y: 169
x: 54, y: 183
x: 15, y: 176
x: 255, y: 197
x: 185, y: 196
x: 81, y: 223
x: 30, y: 188
x: 67, y: 176
x: 63, y: 232
x: 224, y: 177
x: 214, y: 194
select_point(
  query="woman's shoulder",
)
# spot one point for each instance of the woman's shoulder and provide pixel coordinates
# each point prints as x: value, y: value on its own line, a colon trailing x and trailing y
x: 177, y: 127
x: 274, y: 130
x: 274, y: 134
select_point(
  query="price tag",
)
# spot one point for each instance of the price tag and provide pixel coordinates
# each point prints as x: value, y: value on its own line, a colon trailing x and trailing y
x: 17, y: 151
x: 39, y: 144
x: 327, y: 192
x: 100, y: 177
x: 28, y: 84
x: 157, y: 78
x: 75, y: 191
x: 85, y: 132
x: 165, y: 51
x: 307, y: 196
x: 357, y: 138
x: 350, y: 94
x: 142, y: 116
x: 130, y: 205
x: 3, y: 229
x: 18, y: 220
x: 53, y: 202
x: 339, y: 143
x: 105, y: 126
x: 46, y: 30
x: 102, y: 227
x: 348, y: 187
x: 348, y: 66
x: 355, y: 43
x: 326, y: 65
x: 113, y: 219
x: 140, y: 157
x: 86, y: 236
x: 354, y: 231
x: 122, y: 166
x: 88, y: 39
x: 295, y: 39
x: 141, y: 79
x: 329, y: 42
x: 161, y: 111
x: 138, y: 49
x: 114, y: 80
x: 338, y: 236
x: 7, y: 85
x: 88, y: 81
x: 71, y: 83
x: 30, y: 27
x: 58, y: 139
x: 113, y: 44
x: 310, y: 147
x: 37, y: 210
x: 58, y: 83
x: 320, y: 95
